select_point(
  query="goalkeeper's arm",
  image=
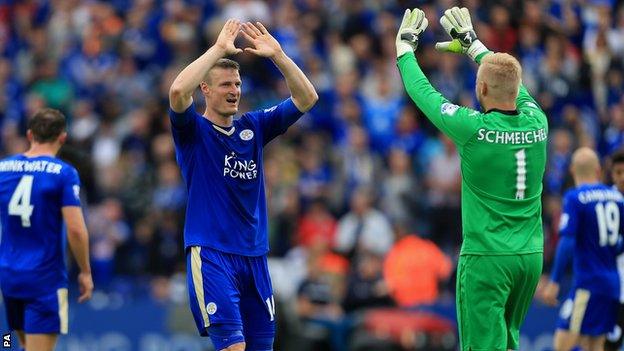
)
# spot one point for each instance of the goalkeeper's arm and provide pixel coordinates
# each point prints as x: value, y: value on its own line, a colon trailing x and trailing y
x: 462, y: 124
x: 458, y: 123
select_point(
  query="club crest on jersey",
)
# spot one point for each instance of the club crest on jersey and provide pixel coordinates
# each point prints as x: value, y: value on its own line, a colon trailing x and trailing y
x: 566, y: 309
x: 246, y: 134
x: 530, y: 104
x: 211, y: 308
x: 76, y: 191
x: 448, y: 109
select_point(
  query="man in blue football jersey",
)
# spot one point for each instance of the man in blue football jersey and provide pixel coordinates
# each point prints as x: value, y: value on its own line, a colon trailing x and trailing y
x: 616, y: 336
x: 225, y: 231
x: 38, y: 192
x: 590, y: 233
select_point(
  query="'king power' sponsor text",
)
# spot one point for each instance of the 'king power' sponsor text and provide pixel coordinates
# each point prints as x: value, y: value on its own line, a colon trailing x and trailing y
x: 240, y: 169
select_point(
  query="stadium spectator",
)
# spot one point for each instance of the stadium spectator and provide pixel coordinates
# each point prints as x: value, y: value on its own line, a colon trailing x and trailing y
x: 412, y: 256
x: 443, y: 181
x: 320, y: 295
x: 317, y: 226
x: 366, y: 287
x: 400, y: 190
x: 363, y: 229
x: 108, y: 231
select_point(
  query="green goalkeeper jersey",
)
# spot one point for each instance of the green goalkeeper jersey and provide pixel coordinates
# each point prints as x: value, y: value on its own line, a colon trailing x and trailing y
x: 503, y: 157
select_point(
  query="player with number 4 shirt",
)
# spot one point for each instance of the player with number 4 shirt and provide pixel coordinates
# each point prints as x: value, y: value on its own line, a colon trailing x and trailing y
x: 39, y: 212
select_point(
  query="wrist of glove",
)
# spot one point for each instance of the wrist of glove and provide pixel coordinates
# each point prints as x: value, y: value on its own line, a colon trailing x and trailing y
x: 408, y: 42
x: 475, y: 49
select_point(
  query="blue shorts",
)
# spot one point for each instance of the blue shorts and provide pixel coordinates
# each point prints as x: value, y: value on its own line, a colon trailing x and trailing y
x: 45, y: 314
x: 230, y: 291
x: 588, y: 313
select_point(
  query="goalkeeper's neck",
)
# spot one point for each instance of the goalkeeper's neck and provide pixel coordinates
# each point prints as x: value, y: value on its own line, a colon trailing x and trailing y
x: 489, y: 104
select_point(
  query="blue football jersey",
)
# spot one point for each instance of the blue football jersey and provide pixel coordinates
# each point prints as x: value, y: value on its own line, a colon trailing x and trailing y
x: 32, y: 247
x: 222, y: 168
x: 592, y: 215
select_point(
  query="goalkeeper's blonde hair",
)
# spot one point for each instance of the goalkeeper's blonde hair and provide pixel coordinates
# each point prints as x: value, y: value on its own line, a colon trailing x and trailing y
x: 502, y: 74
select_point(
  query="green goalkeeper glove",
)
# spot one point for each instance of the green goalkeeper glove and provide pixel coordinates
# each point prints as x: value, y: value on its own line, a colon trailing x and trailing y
x: 458, y: 25
x: 414, y: 23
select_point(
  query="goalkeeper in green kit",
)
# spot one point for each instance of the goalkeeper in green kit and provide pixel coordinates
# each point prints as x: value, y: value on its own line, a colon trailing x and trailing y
x: 503, y: 157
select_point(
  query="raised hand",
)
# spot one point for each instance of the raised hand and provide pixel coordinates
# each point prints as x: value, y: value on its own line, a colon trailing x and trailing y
x: 225, y: 40
x: 458, y: 25
x: 413, y: 23
x: 264, y: 44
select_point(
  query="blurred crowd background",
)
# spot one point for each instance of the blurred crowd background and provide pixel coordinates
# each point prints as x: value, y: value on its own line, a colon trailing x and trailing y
x: 364, y: 194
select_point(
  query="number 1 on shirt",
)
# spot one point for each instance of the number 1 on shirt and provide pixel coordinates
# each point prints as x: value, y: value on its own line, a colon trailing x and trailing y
x: 19, y: 205
x: 521, y: 172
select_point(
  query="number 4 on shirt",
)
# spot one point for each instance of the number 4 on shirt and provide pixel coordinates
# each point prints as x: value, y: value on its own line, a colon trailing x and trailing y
x: 19, y: 205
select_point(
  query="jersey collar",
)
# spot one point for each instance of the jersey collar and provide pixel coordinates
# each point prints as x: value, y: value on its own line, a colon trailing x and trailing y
x: 505, y: 112
x: 223, y: 130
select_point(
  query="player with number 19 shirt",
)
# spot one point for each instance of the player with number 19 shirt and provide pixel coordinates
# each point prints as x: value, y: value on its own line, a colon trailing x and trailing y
x: 591, y: 220
x: 589, y: 234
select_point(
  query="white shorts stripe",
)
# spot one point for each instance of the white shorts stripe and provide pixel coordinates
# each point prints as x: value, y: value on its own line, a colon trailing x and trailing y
x: 61, y: 295
x: 620, y: 265
x: 581, y: 298
x: 198, y: 282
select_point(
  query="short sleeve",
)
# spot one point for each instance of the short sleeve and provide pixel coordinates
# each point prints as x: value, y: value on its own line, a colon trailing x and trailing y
x: 183, y: 124
x: 569, y: 217
x: 71, y: 188
x: 275, y: 120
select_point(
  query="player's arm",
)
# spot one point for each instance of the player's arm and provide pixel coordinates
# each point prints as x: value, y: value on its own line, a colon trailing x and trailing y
x: 568, y: 226
x: 620, y: 242
x: 459, y: 123
x: 79, y: 244
x: 302, y: 91
x: 184, y: 85
x: 77, y: 235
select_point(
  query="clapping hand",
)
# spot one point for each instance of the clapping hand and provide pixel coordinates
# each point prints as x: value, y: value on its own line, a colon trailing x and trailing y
x: 225, y: 40
x: 263, y: 43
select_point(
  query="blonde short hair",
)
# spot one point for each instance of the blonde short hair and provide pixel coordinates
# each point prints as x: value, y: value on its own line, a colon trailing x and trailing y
x: 585, y: 162
x: 502, y: 74
x: 224, y: 64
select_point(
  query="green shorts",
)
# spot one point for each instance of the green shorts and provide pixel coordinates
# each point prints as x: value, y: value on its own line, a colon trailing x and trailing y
x: 493, y: 296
